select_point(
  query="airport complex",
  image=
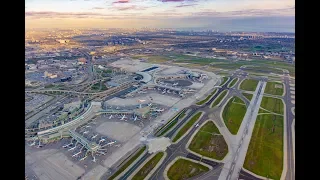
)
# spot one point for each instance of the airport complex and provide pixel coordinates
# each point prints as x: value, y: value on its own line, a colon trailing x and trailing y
x: 119, y: 117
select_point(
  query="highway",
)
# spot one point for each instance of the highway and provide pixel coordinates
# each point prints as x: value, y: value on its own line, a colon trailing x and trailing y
x: 81, y: 93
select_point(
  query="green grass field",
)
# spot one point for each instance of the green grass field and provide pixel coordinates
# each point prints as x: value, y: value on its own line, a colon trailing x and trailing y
x: 264, y: 69
x: 219, y: 98
x: 187, y: 126
x: 249, y: 84
x: 232, y: 82
x: 272, y: 104
x: 131, y: 160
x: 207, y: 98
x: 274, y: 88
x: 168, y: 126
x: 96, y: 87
x: 183, y: 169
x: 148, y: 167
x: 233, y: 114
x: 263, y: 111
x: 265, y: 152
x: 248, y: 96
x: 209, y: 142
x: 224, y: 80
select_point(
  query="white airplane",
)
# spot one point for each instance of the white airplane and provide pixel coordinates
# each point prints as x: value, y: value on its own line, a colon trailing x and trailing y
x: 175, y: 84
x: 86, y: 132
x: 83, y: 158
x: 110, y: 143
x: 150, y: 104
x: 65, y: 146
x: 72, y: 148
x: 141, y: 100
x: 135, y: 118
x: 110, y: 116
x: 101, y: 152
x: 32, y: 144
x: 123, y: 117
x: 39, y: 145
x: 76, y: 154
x: 163, y: 92
x: 94, y: 136
x: 159, y: 110
x: 117, y: 107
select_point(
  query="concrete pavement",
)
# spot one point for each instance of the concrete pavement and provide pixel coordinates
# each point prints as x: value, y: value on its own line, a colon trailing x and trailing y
x: 232, y: 168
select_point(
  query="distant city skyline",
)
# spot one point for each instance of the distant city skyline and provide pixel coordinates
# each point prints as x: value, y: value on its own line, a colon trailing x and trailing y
x: 222, y: 15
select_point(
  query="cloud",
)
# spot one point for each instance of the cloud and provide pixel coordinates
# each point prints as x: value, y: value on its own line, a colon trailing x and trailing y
x: 186, y: 5
x: 247, y: 12
x: 98, y: 8
x: 50, y: 14
x: 132, y: 7
x: 121, y: 1
x: 172, y: 0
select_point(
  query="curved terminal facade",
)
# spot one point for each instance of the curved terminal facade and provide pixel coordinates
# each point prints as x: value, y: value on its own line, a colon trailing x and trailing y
x: 146, y: 77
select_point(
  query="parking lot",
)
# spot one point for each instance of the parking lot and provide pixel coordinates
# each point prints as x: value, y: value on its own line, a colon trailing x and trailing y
x: 35, y: 101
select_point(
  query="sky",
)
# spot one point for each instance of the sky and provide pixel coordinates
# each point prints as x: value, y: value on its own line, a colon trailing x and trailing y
x: 222, y: 15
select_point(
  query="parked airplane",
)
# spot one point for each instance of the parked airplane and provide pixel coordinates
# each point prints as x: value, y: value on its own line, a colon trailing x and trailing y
x: 32, y: 144
x: 65, y: 146
x: 158, y: 110
x: 110, y: 143
x: 101, y: 152
x: 86, y: 132
x: 175, y: 84
x: 163, y: 92
x: 72, y: 148
x: 110, y: 116
x: 123, y: 117
x: 135, y: 118
x: 83, y: 158
x: 39, y: 145
x: 76, y: 154
x: 94, y: 136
